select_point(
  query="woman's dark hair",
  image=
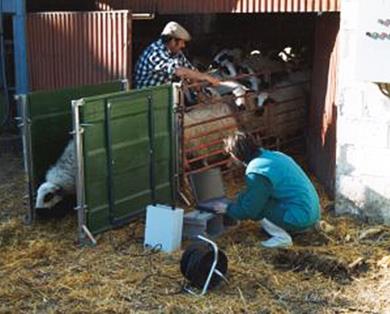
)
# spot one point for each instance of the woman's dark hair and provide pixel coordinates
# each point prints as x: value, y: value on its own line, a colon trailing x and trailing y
x: 242, y: 145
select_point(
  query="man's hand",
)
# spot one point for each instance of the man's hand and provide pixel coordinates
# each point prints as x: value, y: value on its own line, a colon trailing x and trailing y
x: 196, y: 76
x: 213, y: 80
x: 220, y: 208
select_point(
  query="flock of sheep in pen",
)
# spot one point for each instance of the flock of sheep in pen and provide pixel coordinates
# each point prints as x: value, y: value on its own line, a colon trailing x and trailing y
x: 250, y: 83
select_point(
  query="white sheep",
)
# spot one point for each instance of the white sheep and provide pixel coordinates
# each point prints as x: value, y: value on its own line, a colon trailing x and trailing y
x: 60, y: 179
x: 226, y: 71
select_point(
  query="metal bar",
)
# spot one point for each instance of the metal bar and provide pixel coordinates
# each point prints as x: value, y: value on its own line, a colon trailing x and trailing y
x: 209, y: 154
x: 125, y: 85
x: 220, y: 163
x: 180, y: 136
x: 89, y: 234
x: 203, y: 134
x: 129, y: 40
x: 20, y: 53
x: 80, y: 178
x: 109, y: 164
x: 225, y: 98
x: 248, y: 95
x: 22, y: 101
x: 177, y: 103
x: 212, y: 268
x: 142, y: 16
x: 204, y: 145
x: 175, y: 100
x: 240, y: 76
x: 152, y: 170
x: 211, y: 120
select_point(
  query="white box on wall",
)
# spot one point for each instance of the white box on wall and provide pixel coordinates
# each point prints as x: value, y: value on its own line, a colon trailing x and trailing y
x: 373, y: 46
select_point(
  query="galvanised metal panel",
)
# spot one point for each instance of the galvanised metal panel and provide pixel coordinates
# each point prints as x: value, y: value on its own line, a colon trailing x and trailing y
x: 67, y: 49
x: 120, y: 172
x: 47, y: 121
x: 322, y: 110
x: 228, y: 6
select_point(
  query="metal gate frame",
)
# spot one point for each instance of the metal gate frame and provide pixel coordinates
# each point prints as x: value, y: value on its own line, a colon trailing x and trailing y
x: 24, y: 123
x: 84, y: 233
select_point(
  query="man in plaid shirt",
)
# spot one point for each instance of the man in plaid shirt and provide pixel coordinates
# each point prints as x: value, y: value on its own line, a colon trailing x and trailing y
x: 164, y: 60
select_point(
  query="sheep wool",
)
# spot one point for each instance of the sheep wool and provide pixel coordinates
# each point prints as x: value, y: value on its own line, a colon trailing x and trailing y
x: 63, y: 173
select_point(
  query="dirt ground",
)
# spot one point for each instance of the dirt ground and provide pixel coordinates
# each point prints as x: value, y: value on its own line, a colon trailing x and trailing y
x: 344, y: 269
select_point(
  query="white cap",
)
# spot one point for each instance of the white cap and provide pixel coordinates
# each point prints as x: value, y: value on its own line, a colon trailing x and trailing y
x: 175, y: 30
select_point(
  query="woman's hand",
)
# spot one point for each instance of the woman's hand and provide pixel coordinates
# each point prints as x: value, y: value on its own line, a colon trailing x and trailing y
x: 220, y: 208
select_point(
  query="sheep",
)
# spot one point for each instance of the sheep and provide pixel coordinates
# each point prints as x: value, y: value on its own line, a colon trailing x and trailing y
x: 212, y: 105
x: 60, y: 179
x: 231, y: 55
x: 240, y: 76
x: 197, y: 138
x: 226, y: 69
x: 253, y: 80
x: 294, y: 57
x: 260, y: 62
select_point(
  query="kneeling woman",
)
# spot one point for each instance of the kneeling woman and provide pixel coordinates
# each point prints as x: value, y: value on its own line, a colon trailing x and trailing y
x: 278, y: 192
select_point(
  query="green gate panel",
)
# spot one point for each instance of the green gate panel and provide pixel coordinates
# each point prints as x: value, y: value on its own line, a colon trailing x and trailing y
x: 50, y: 116
x: 116, y: 152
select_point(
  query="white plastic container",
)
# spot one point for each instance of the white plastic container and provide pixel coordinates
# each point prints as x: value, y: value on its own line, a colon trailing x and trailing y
x: 164, y: 227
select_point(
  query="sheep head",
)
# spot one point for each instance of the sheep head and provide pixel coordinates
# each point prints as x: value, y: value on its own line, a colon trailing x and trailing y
x: 48, y: 195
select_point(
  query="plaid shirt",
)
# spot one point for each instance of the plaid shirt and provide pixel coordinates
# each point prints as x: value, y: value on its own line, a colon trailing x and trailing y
x: 157, y: 65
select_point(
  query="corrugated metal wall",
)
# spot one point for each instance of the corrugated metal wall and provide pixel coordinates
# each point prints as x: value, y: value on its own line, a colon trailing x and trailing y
x: 73, y: 49
x: 225, y: 6
x: 322, y: 119
x: 246, y: 6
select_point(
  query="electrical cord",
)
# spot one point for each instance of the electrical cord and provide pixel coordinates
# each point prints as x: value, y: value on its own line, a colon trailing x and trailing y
x: 196, y: 263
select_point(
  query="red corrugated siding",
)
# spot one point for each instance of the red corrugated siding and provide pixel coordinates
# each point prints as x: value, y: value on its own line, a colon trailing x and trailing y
x: 226, y: 6
x: 246, y: 6
x: 322, y: 115
x: 72, y: 49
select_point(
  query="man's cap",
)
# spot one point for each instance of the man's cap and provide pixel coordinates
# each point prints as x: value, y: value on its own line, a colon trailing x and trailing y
x: 175, y: 30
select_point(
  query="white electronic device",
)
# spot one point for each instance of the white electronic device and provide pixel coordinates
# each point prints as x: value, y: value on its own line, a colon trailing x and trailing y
x: 164, y: 226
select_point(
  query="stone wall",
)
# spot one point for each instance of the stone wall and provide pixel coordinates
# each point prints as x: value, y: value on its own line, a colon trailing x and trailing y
x: 363, y: 133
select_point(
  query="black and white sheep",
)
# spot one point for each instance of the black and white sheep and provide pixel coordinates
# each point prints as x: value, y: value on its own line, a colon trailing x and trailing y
x: 60, y: 179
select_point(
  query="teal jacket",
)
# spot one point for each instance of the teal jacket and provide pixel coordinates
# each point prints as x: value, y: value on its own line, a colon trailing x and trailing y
x: 279, y: 190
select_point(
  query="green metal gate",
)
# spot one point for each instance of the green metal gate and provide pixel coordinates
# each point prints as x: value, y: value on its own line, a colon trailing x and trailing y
x: 46, y: 123
x: 126, y: 153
